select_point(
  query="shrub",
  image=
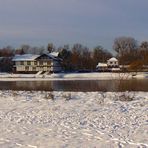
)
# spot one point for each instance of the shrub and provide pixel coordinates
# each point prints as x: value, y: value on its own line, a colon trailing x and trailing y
x: 49, y: 96
x: 67, y: 97
x: 125, y: 96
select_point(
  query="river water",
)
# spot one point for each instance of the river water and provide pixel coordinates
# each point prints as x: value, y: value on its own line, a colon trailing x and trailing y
x: 77, y: 85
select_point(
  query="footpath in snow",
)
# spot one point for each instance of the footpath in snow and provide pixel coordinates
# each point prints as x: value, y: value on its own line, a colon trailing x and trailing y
x: 73, y: 119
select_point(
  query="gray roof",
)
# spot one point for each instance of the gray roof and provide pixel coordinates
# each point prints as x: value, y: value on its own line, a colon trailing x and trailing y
x: 55, y: 54
x: 113, y: 59
x: 101, y: 65
x: 25, y: 57
x: 52, y: 56
x: 32, y: 57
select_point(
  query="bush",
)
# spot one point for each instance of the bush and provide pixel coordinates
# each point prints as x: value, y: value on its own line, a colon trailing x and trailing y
x: 49, y: 96
x: 136, y: 65
x: 126, y: 96
x: 67, y: 97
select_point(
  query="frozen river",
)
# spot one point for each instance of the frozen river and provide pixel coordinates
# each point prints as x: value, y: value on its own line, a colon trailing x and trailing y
x: 77, y: 85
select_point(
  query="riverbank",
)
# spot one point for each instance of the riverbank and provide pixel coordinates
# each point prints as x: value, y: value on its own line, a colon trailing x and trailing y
x: 64, y: 76
x: 68, y: 119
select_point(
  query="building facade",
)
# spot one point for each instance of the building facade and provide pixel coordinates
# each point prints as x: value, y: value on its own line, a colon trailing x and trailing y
x: 29, y: 63
x: 113, y: 63
x: 102, y: 67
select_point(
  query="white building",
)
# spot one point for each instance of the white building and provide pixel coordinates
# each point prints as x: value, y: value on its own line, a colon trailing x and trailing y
x: 113, y: 63
x: 30, y: 63
x: 102, y: 67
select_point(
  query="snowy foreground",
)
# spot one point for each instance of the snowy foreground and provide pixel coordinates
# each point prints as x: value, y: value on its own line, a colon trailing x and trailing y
x: 73, y: 119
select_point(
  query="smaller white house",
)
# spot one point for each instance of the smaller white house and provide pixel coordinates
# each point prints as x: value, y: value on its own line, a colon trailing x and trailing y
x: 113, y: 63
x: 102, y: 66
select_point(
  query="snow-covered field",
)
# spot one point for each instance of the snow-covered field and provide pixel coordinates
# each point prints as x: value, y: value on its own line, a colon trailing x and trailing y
x: 73, y: 119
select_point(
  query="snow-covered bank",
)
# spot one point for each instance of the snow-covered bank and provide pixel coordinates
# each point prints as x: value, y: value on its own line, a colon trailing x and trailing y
x: 73, y: 119
x: 93, y: 75
x: 65, y: 76
x: 141, y: 75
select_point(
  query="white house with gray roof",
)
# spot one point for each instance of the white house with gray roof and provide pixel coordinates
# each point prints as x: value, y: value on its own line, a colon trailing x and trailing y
x: 111, y: 65
x: 112, y: 62
x: 30, y: 63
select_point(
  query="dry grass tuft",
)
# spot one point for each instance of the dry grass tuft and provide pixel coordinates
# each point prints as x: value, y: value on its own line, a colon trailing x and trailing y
x: 49, y: 96
x: 125, y: 97
x: 67, y: 97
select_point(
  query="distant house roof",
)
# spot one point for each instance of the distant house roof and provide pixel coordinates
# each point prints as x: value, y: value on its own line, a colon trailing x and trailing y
x: 52, y: 56
x: 25, y: 57
x: 55, y: 54
x: 113, y: 59
x: 32, y: 57
x: 1, y: 58
x: 101, y: 65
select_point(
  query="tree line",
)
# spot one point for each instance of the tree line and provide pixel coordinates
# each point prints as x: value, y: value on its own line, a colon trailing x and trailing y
x: 81, y: 58
x: 75, y: 58
x: 129, y: 52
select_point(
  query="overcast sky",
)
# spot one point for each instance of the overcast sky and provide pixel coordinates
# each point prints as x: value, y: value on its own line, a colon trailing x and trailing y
x: 90, y: 22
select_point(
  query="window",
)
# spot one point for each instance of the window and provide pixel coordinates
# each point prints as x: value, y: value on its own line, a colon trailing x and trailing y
x: 27, y: 68
x: 34, y: 68
x: 22, y: 63
x: 17, y: 63
x: 45, y: 63
x: 35, y: 62
x: 41, y: 63
x: 28, y: 63
x: 48, y: 63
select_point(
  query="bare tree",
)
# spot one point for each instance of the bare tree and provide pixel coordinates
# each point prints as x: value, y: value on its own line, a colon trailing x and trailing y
x: 65, y: 55
x: 50, y: 47
x: 100, y: 55
x: 143, y: 52
x: 123, y: 45
x: 25, y: 48
x: 126, y: 48
x: 7, y: 52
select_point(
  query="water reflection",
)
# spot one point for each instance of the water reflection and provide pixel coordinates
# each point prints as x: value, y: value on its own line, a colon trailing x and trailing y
x: 77, y: 85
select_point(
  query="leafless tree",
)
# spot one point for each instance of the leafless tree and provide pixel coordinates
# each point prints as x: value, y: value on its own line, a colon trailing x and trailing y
x: 124, y: 44
x: 126, y: 48
x: 143, y: 52
x: 50, y: 47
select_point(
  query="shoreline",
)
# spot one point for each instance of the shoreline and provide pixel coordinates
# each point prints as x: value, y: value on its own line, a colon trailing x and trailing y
x: 64, y: 76
x: 72, y: 76
x: 58, y: 79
